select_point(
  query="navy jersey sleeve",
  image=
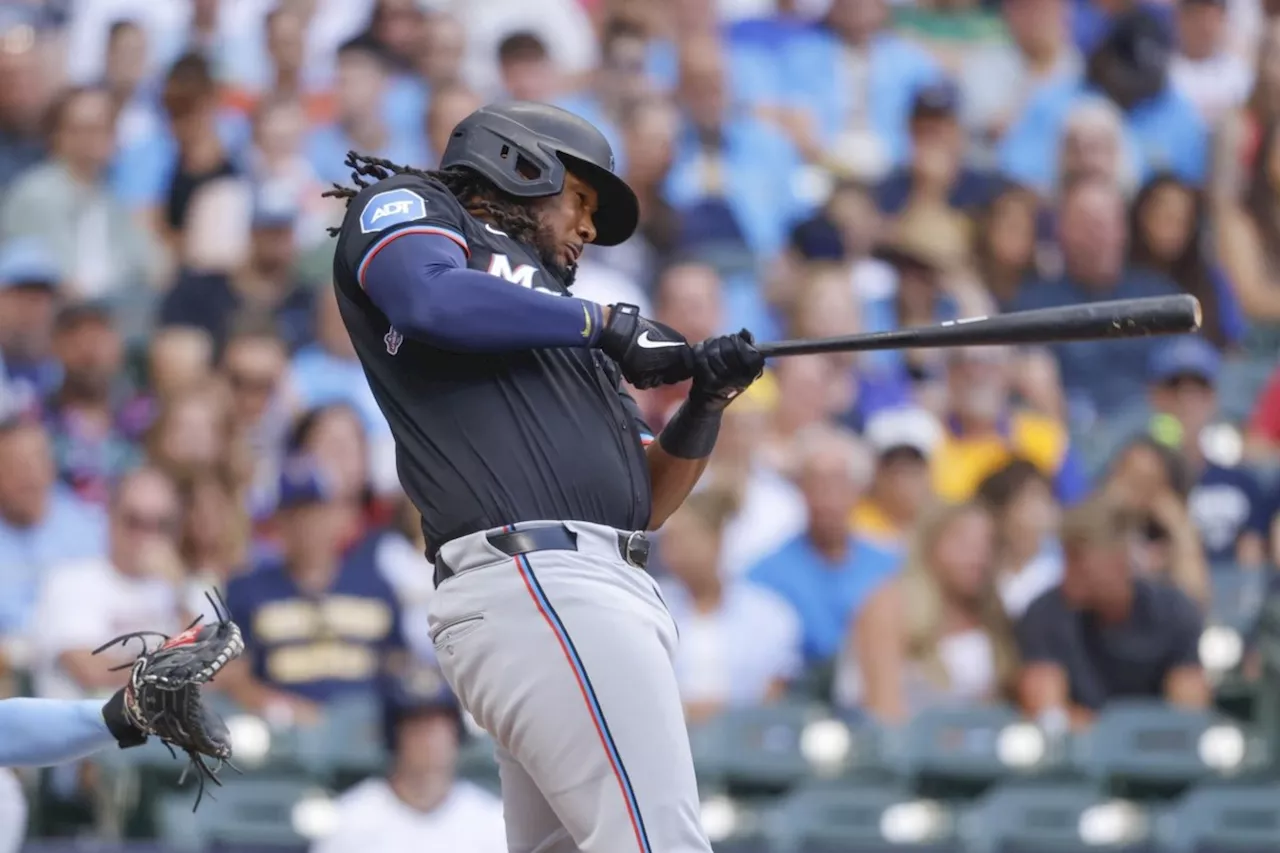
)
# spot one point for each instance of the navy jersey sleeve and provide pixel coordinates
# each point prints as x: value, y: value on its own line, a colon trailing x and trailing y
x: 405, y: 245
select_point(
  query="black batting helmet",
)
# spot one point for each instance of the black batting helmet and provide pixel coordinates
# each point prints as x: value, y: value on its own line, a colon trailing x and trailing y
x: 419, y: 691
x: 525, y: 148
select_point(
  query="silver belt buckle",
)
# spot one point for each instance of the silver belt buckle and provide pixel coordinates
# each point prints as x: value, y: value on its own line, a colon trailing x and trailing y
x: 632, y: 549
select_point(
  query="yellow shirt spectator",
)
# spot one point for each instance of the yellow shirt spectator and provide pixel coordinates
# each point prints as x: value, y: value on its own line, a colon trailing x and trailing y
x: 904, y: 441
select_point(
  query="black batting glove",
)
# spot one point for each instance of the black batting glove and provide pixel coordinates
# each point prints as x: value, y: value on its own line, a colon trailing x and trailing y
x: 648, y: 353
x: 723, y: 368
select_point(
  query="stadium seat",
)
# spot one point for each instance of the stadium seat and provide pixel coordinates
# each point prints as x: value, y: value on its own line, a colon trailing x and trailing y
x: 969, y: 746
x: 348, y: 741
x: 759, y: 750
x: 1153, y: 744
x: 862, y: 817
x: 1237, y: 596
x: 246, y: 811
x: 1223, y: 818
x: 1051, y: 818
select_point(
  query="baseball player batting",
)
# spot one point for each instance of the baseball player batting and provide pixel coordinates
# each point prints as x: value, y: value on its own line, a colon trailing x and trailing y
x: 535, y: 476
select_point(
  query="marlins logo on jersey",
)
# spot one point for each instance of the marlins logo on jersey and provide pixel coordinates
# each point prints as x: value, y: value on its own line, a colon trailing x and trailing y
x: 391, y: 208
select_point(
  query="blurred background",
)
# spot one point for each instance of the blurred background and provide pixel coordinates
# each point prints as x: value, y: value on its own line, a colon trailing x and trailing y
x: 978, y: 600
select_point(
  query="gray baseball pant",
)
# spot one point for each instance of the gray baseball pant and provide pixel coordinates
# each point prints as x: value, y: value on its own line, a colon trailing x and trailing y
x: 565, y: 659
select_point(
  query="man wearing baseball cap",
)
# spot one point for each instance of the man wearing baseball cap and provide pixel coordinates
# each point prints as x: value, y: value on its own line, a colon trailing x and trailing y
x: 904, y: 440
x: 317, y: 626
x: 29, y: 284
x: 1226, y: 504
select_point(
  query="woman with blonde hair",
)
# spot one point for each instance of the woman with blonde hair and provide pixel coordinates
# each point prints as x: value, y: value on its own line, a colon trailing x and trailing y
x: 937, y: 634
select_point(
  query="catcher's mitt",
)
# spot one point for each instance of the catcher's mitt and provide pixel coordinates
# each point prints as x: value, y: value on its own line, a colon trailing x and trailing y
x: 162, y: 697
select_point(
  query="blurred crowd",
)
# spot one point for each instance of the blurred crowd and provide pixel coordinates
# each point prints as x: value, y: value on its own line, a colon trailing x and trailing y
x: 1039, y: 526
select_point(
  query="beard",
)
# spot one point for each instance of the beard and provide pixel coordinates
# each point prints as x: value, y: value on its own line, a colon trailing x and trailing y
x: 548, y: 248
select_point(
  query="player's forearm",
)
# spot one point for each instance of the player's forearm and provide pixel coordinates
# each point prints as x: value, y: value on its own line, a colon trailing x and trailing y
x: 44, y: 732
x: 423, y: 286
x: 672, y: 480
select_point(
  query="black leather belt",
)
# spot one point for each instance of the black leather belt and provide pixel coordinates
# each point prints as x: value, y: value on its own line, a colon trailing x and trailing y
x: 633, y: 547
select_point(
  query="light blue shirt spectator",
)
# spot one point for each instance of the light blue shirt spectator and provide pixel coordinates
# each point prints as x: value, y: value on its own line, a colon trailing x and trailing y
x: 143, y: 170
x: 70, y: 530
x: 1099, y: 377
x: 847, y: 91
x: 736, y: 654
x: 1164, y: 133
x: 827, y: 597
x: 761, y: 199
x: 327, y: 147
x: 321, y: 378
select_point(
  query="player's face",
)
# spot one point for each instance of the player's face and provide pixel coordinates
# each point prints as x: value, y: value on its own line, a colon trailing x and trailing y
x: 567, y: 224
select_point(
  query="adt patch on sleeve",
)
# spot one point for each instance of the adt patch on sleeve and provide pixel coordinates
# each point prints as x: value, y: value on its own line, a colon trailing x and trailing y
x: 391, y: 208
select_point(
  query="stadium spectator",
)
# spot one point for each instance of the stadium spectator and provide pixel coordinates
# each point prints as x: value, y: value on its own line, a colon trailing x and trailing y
x: 41, y: 523
x: 450, y: 104
x: 937, y: 150
x: 825, y: 307
x: 133, y: 585
x: 1000, y: 79
x: 1130, y: 67
x: 1004, y: 239
x: 360, y: 121
x: 1028, y: 553
x: 769, y: 508
x: 282, y: 176
x: 809, y: 391
x: 904, y: 441
x: 867, y: 135
x: 420, y: 803
x: 284, y: 34
x: 25, y: 93
x: 255, y: 366
x: 984, y: 430
x: 397, y: 551
x: 1106, y: 633
x: 194, y: 434
x: 327, y: 371
x: 1167, y: 227
x: 333, y: 437
x: 398, y: 27
x: 1240, y: 131
x: 135, y: 113
x: 716, y: 147
x: 93, y: 424
x: 1246, y: 235
x: 30, y: 285
x: 266, y: 283
x: 66, y: 202
x: 1095, y: 145
x: 214, y: 537
x: 178, y: 360
x: 316, y: 627
x: 739, y: 642
x: 858, y: 224
x: 937, y: 634
x: 1205, y: 71
x: 528, y: 74
x: 617, y: 87
x: 1226, y: 502
x: 440, y: 59
x: 826, y: 573
x: 1150, y: 481
x: 1099, y: 377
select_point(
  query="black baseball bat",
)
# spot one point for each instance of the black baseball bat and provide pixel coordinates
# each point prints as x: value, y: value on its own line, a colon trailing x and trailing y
x: 1121, y: 318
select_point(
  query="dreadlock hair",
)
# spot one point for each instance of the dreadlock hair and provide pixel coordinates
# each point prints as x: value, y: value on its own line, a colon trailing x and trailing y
x: 474, y: 191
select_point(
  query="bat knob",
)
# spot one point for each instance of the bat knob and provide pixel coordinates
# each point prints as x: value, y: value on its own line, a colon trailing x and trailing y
x: 1197, y: 313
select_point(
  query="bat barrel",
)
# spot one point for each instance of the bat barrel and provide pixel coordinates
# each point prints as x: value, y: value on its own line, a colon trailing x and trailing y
x: 1124, y: 318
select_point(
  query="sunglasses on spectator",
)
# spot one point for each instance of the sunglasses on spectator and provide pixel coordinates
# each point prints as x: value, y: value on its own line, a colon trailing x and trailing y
x: 249, y: 383
x: 140, y: 522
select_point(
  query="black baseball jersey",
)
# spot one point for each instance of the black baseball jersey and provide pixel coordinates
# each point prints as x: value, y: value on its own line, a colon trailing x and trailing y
x: 484, y: 440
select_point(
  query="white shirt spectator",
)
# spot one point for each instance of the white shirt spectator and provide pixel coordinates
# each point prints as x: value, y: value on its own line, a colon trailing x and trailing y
x: 772, y: 512
x: 84, y: 604
x: 1017, y: 591
x: 1215, y: 85
x: 371, y: 817
x: 735, y: 654
x: 562, y: 25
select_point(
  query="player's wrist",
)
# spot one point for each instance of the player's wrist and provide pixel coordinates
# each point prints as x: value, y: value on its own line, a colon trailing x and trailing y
x: 115, y: 713
x: 692, y: 431
x: 617, y: 330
